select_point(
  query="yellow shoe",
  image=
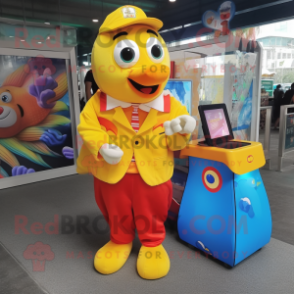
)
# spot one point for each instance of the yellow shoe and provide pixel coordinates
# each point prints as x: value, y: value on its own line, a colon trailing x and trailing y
x: 153, y: 262
x: 111, y: 257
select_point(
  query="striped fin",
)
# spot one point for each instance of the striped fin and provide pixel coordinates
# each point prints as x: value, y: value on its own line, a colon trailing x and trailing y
x: 59, y: 106
x: 54, y: 120
x: 18, y: 77
x: 30, y: 134
x: 62, y: 88
x: 41, y: 148
x: 7, y: 156
x: 13, y: 145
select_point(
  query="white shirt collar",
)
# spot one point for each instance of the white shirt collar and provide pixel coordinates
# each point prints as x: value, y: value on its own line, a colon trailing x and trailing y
x: 161, y: 103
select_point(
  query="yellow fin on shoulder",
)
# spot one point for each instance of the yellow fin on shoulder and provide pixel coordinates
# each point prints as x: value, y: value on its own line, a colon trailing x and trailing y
x: 54, y: 120
x: 59, y: 106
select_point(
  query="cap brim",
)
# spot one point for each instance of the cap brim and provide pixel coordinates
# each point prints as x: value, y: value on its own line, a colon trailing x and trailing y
x: 150, y: 21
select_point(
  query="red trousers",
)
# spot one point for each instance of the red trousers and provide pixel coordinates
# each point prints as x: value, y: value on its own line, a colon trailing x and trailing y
x: 131, y: 204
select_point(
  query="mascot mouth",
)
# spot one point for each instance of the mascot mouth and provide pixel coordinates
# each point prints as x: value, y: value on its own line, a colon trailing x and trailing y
x: 21, y: 110
x: 7, y: 119
x: 144, y: 89
x: 1, y: 118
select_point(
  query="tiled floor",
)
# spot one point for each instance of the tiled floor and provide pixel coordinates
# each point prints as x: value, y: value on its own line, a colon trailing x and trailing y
x: 280, y: 189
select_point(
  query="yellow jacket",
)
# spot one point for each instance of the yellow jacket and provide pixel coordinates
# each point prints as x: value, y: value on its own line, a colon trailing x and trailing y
x: 153, y: 150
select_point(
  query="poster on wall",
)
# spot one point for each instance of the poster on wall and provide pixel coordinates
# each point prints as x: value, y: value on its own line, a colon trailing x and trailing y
x: 35, y: 122
x: 289, y: 138
x: 182, y: 91
x: 187, y: 69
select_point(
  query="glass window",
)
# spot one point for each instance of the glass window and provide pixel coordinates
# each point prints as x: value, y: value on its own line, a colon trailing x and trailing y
x: 279, y: 55
x: 283, y: 26
x: 268, y: 54
x: 285, y: 42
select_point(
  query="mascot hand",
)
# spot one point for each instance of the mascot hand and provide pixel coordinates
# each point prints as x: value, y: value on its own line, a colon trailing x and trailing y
x: 111, y: 153
x: 42, y: 89
x: 68, y: 152
x: 183, y: 124
x: 53, y: 137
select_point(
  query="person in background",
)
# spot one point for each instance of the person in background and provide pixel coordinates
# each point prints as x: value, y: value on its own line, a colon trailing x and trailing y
x: 278, y: 91
x: 90, y: 84
x: 263, y: 91
x: 289, y: 98
x: 278, y: 97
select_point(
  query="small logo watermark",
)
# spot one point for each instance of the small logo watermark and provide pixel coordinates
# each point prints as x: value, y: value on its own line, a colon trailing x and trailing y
x: 39, y: 253
x: 83, y: 224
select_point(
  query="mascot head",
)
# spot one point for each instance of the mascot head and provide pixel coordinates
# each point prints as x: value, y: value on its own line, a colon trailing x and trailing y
x: 130, y: 61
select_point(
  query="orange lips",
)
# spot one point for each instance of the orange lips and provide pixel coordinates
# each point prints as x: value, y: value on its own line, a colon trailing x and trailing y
x: 147, y: 81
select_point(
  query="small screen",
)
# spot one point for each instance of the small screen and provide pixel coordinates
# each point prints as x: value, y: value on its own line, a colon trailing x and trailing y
x: 217, y: 123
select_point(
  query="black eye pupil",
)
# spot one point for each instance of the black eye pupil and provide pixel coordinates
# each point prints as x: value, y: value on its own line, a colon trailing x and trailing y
x: 43, y: 66
x: 127, y: 54
x: 35, y: 67
x: 156, y: 51
x: 4, y: 98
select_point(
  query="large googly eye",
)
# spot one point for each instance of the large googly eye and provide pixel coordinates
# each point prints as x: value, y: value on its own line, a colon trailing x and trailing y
x: 155, y: 50
x: 126, y: 53
x: 212, y: 179
x: 5, y: 97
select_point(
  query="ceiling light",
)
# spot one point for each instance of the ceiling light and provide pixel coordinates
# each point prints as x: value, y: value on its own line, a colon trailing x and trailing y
x: 95, y: 20
x: 172, y: 0
x: 11, y: 36
x: 47, y: 23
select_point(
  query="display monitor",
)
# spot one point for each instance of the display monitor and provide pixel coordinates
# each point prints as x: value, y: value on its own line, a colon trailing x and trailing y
x: 217, y: 123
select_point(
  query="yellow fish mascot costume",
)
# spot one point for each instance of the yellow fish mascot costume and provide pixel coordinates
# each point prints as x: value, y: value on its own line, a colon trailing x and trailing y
x: 130, y: 129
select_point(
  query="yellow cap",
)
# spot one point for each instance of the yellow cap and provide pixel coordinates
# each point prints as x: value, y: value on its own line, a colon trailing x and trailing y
x: 126, y: 16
